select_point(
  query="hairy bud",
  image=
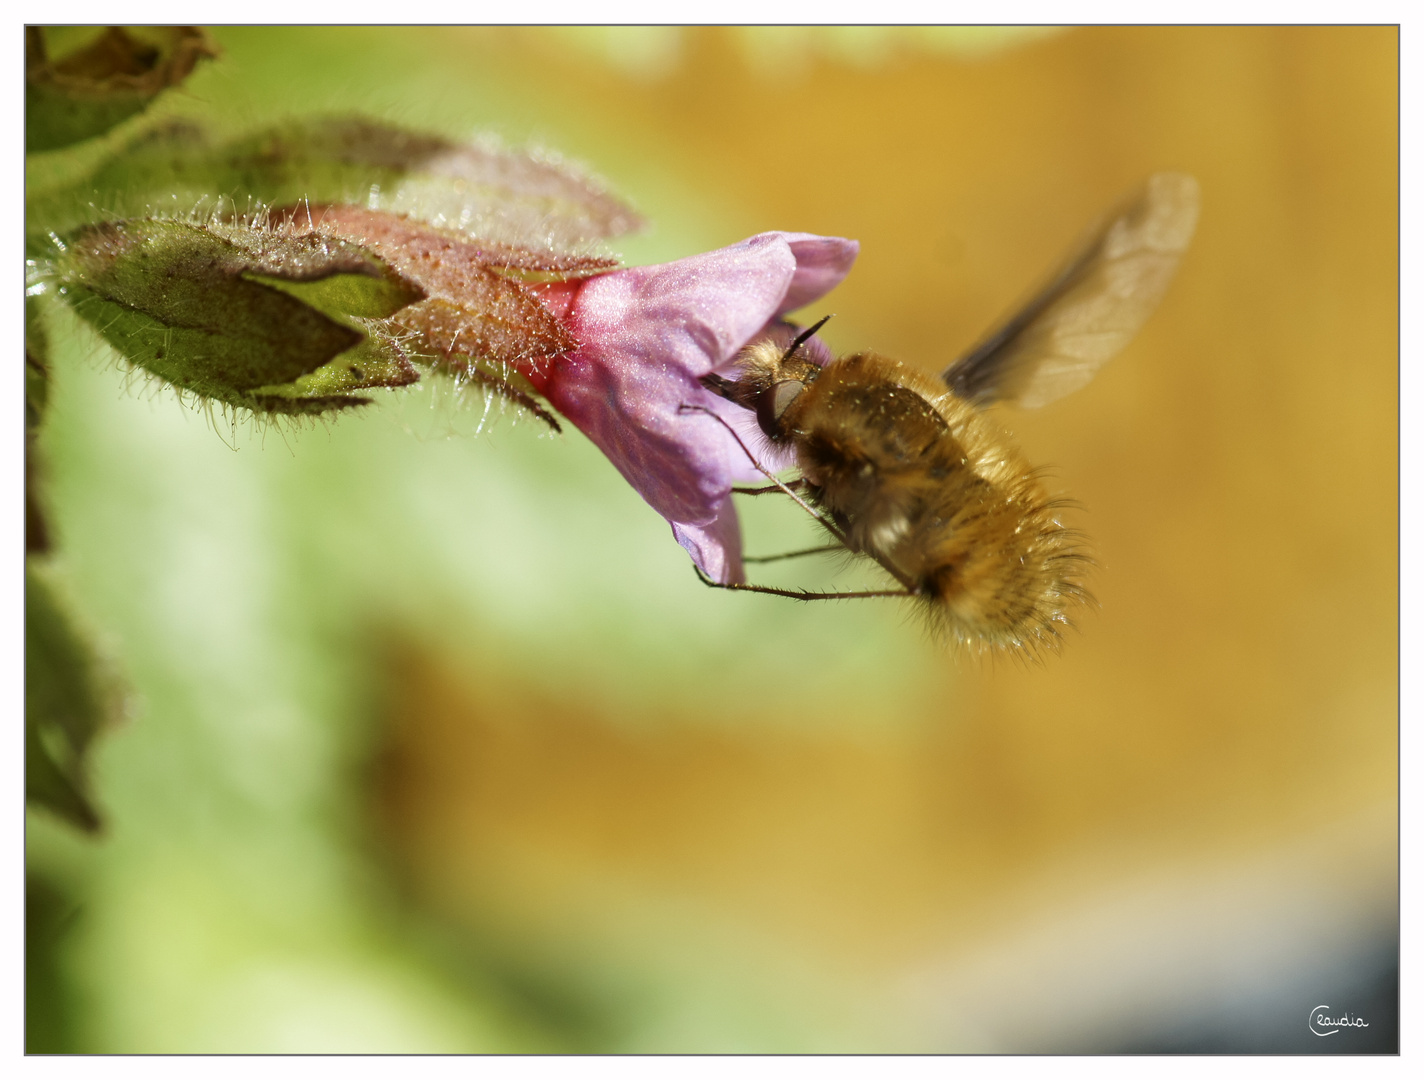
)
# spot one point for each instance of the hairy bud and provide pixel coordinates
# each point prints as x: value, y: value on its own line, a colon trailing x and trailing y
x: 479, y: 319
x: 239, y: 314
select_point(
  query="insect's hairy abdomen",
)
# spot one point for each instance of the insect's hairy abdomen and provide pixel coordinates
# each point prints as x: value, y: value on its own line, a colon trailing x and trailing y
x: 872, y: 446
x: 922, y: 481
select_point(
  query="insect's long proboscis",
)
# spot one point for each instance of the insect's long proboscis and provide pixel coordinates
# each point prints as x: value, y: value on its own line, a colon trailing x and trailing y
x: 831, y: 526
x: 779, y: 484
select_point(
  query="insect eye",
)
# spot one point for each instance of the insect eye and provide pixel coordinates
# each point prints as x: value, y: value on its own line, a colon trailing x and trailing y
x: 774, y: 401
x: 783, y: 394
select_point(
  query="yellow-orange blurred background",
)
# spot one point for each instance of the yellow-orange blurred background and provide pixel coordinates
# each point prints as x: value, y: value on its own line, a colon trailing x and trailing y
x: 683, y: 820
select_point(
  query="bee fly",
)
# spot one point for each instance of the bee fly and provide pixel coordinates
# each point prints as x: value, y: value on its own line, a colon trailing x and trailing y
x: 906, y: 468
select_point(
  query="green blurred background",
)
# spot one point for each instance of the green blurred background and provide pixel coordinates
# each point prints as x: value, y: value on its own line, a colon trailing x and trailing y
x: 438, y: 745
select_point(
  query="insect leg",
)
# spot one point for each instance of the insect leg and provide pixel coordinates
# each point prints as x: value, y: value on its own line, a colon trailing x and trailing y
x: 830, y: 525
x: 792, y: 554
x: 797, y: 594
x: 794, y: 485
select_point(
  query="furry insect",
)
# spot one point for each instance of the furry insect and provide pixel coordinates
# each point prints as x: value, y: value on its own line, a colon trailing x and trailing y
x: 908, y: 470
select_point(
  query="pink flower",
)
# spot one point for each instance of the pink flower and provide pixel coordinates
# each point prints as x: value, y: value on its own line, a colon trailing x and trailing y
x: 647, y: 335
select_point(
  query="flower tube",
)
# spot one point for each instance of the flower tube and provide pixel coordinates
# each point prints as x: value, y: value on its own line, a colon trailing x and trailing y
x: 647, y: 335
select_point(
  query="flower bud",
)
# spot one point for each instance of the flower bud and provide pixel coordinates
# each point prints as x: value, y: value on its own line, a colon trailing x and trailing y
x: 480, y: 319
x: 238, y: 314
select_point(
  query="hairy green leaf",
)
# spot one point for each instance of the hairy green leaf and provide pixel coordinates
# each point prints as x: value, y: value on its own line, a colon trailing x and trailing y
x: 37, y: 536
x: 69, y: 699
x: 524, y: 198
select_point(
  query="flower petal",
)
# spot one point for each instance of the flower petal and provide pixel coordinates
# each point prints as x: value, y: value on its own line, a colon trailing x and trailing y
x: 648, y: 334
x: 822, y: 262
x: 716, y: 548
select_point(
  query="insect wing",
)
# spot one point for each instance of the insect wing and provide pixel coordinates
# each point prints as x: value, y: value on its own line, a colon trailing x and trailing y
x: 1091, y: 308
